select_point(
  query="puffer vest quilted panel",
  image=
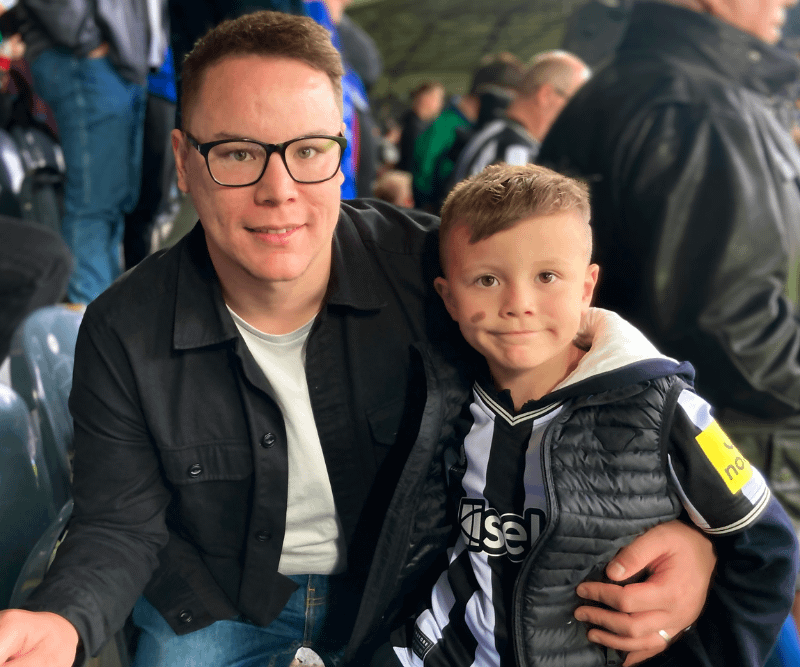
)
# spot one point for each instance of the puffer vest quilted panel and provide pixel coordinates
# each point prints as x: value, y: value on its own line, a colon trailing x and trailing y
x: 606, y: 479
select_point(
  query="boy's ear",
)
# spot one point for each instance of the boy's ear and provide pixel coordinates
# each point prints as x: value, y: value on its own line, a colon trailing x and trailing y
x: 589, y: 283
x: 443, y: 289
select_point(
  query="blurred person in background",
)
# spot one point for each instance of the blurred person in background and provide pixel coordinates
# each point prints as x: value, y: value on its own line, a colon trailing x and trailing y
x: 696, y: 208
x: 89, y: 63
x: 35, y: 265
x: 494, y: 83
x: 158, y: 162
x: 547, y: 85
x: 394, y: 186
x: 427, y: 102
x: 360, y: 162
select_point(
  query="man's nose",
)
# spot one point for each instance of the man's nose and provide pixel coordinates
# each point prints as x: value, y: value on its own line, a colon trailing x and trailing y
x: 275, y: 183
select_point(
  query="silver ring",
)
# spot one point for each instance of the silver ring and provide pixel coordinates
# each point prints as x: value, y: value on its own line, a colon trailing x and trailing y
x: 665, y: 636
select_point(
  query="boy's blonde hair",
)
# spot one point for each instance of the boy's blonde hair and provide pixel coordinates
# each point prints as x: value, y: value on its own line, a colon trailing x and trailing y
x: 501, y: 195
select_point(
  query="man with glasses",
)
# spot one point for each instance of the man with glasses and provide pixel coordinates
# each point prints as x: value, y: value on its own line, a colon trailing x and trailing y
x: 237, y: 399
x: 546, y: 87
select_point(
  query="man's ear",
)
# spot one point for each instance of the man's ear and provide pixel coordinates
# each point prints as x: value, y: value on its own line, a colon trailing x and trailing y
x: 180, y: 149
x: 443, y: 289
x: 546, y: 95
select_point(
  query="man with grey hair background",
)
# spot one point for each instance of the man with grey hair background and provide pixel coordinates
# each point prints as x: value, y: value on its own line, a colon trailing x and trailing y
x: 547, y: 85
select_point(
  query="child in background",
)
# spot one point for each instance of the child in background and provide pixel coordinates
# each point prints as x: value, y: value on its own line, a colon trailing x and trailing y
x: 394, y: 186
x: 582, y: 436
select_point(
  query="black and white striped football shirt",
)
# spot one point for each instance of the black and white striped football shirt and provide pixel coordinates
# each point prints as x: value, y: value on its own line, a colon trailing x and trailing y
x: 502, y: 140
x: 502, y: 511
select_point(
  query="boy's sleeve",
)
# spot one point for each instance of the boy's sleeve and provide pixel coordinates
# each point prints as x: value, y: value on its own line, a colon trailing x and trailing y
x: 720, y: 490
x: 757, y: 553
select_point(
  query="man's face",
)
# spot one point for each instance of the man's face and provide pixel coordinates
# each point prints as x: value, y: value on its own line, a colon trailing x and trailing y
x: 275, y: 230
x: 430, y: 103
x: 762, y: 18
x: 519, y: 296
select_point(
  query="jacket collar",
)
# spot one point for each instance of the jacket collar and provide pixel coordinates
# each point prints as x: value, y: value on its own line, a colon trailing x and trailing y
x: 703, y: 38
x: 201, y: 318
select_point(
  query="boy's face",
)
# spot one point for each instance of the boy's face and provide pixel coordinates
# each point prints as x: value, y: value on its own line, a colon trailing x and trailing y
x: 519, y: 296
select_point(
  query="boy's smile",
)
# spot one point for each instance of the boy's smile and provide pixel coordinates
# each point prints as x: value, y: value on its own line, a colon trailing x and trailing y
x: 519, y: 297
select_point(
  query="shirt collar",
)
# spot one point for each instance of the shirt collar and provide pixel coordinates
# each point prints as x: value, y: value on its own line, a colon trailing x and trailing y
x: 201, y: 318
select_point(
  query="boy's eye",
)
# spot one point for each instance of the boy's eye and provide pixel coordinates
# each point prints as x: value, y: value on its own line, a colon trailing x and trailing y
x: 547, y: 277
x: 487, y: 281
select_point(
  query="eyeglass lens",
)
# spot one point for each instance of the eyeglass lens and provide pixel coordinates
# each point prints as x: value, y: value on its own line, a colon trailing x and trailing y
x: 307, y: 160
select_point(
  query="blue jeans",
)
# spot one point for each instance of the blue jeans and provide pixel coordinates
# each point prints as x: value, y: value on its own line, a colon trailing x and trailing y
x: 100, y: 119
x: 238, y: 643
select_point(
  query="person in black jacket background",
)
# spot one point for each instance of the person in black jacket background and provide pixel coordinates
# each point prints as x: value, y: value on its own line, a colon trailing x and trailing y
x: 696, y: 208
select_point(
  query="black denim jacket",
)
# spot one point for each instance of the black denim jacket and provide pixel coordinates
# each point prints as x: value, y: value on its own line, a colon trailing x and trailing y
x: 181, y: 461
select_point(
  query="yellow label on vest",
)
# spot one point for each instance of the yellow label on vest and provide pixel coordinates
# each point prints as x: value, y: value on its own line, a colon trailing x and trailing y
x: 734, y: 469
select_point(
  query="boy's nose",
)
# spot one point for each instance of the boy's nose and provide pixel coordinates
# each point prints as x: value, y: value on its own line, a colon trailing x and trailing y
x: 519, y: 301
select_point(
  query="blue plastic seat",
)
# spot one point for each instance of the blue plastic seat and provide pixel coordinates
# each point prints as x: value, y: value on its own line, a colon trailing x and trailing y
x: 41, y: 360
x: 26, y: 498
x: 787, y: 649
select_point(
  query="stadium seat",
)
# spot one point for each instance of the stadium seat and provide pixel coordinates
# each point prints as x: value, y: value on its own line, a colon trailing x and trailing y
x: 787, y: 650
x: 39, y: 558
x: 26, y: 498
x: 41, y: 356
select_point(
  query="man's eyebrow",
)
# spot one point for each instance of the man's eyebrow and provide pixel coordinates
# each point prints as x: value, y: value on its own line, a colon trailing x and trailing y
x: 227, y: 135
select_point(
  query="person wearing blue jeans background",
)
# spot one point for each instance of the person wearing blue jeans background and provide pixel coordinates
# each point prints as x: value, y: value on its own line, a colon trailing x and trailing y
x: 89, y: 62
x: 99, y: 116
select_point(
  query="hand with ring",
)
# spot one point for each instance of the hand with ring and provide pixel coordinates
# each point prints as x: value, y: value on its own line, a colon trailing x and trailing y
x: 643, y: 619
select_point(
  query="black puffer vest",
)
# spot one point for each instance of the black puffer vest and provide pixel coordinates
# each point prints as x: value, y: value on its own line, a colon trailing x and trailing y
x: 606, y: 480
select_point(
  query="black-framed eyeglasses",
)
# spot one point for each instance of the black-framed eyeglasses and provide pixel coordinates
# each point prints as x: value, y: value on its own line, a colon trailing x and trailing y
x: 236, y: 163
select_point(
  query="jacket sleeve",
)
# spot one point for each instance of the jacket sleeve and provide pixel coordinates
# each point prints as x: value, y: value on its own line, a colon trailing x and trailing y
x: 69, y: 23
x: 712, y: 198
x: 118, y: 526
x: 751, y: 595
x: 756, y: 547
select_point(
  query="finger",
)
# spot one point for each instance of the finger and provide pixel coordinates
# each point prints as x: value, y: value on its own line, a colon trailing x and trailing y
x: 623, y: 625
x: 644, y: 552
x: 628, y: 599
x: 10, y: 640
x: 650, y: 642
x: 30, y: 659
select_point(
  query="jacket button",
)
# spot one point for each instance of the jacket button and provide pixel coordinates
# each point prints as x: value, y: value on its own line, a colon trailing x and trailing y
x: 195, y: 470
x: 185, y: 616
x: 263, y: 535
x: 267, y: 440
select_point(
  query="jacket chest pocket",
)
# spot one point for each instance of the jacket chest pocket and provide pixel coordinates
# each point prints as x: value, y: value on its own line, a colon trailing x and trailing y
x: 208, y: 462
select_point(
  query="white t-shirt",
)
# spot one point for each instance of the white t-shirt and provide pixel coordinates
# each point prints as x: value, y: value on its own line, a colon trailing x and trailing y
x: 313, y: 543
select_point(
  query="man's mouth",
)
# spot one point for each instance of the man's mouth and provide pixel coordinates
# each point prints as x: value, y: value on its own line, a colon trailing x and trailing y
x: 273, y: 234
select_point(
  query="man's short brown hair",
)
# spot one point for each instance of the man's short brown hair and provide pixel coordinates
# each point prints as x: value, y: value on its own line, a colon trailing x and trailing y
x: 502, y: 195
x: 264, y: 33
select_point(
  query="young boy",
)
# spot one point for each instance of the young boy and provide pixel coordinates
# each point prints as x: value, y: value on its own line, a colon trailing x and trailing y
x: 581, y: 437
